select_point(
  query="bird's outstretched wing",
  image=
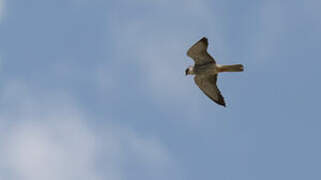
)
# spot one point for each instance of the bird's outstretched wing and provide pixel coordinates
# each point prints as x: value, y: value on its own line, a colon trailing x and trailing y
x: 208, y: 85
x: 198, y: 52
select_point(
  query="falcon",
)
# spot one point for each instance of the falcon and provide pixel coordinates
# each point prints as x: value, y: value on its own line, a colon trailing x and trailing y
x: 206, y: 70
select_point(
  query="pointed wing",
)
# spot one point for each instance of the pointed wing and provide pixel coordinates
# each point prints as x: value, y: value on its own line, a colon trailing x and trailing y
x: 208, y: 85
x: 198, y: 52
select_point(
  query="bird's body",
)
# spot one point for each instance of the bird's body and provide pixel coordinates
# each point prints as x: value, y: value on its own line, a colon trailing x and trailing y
x: 206, y: 70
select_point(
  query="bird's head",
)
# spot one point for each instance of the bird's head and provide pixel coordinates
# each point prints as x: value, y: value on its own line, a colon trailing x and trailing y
x: 189, y: 70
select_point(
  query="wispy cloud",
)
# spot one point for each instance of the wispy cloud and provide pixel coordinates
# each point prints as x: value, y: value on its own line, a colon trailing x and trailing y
x: 51, y: 138
x: 158, y: 49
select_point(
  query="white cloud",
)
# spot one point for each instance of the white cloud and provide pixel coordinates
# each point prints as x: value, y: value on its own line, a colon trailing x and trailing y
x: 44, y: 140
x: 52, y: 138
x: 61, y: 149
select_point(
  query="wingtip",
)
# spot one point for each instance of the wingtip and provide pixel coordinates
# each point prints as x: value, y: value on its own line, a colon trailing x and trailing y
x: 204, y: 39
x: 220, y: 103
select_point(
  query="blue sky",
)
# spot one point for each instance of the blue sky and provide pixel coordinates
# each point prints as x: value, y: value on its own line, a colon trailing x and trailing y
x: 96, y: 90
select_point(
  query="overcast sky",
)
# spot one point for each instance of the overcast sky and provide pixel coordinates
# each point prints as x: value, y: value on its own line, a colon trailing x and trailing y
x: 96, y: 89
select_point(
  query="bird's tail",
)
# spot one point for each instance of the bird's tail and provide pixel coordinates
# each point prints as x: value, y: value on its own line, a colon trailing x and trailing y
x: 231, y: 68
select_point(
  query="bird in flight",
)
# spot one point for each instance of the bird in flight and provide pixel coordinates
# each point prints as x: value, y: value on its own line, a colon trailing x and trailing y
x: 206, y: 70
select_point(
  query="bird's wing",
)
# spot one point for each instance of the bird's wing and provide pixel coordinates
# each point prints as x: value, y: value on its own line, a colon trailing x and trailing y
x: 198, y: 52
x: 208, y: 85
